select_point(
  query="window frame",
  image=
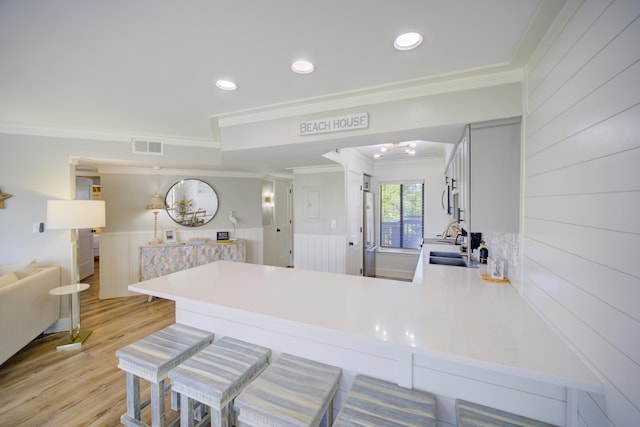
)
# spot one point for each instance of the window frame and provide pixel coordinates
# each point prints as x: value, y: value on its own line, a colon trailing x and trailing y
x: 400, y: 248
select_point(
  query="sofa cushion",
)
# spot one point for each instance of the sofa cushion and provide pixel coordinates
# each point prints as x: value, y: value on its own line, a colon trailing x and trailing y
x: 8, y: 278
x: 21, y: 269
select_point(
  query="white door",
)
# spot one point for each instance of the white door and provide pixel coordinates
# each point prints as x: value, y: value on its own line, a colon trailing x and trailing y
x: 283, y: 217
x: 84, y: 191
x: 354, y: 223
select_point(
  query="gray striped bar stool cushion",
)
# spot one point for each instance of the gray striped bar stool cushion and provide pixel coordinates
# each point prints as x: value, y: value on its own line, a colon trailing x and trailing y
x: 374, y: 402
x: 214, y: 376
x: 151, y: 358
x: 473, y: 415
x: 292, y: 391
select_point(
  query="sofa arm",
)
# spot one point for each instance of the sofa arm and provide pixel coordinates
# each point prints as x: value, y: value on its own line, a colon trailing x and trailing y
x: 27, y: 309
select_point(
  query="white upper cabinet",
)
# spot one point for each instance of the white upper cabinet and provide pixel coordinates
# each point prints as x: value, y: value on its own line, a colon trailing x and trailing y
x: 485, y: 172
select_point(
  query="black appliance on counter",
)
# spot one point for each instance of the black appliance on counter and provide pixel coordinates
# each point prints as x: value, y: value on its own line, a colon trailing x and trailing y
x: 474, y: 241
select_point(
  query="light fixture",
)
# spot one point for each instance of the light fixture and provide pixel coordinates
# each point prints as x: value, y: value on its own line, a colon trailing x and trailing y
x: 156, y: 204
x: 408, y: 41
x: 75, y: 215
x: 396, y: 149
x: 302, y: 66
x: 226, y: 85
x: 268, y: 199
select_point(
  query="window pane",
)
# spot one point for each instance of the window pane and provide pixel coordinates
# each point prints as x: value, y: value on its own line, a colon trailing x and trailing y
x: 411, y: 215
x: 390, y: 215
x: 401, y: 215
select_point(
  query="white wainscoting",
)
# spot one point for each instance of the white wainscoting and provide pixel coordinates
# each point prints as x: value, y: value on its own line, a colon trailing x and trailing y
x: 581, y: 203
x: 120, y: 255
x: 319, y: 252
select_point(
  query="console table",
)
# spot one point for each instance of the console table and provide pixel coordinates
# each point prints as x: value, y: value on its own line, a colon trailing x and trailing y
x: 160, y: 260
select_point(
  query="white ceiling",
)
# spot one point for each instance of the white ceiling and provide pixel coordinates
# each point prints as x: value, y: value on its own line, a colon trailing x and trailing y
x: 147, y: 67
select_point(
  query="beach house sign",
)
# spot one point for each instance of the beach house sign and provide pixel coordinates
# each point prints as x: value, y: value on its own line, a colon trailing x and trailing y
x: 334, y: 124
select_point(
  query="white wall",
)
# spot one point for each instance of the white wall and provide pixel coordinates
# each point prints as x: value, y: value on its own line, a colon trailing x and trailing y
x: 127, y: 194
x: 319, y: 200
x: 33, y: 171
x: 581, y: 235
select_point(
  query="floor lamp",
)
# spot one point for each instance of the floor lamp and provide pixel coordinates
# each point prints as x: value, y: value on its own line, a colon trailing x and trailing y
x: 75, y: 215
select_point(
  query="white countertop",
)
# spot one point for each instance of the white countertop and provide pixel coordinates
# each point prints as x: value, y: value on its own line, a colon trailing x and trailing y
x: 448, y: 312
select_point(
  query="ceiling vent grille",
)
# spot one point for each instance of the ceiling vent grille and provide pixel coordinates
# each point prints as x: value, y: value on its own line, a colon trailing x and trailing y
x: 145, y: 146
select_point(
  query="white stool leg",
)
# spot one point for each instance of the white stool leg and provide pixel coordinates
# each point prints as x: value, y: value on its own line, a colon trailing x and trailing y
x: 133, y: 395
x: 330, y: 414
x: 157, y: 404
x: 186, y: 411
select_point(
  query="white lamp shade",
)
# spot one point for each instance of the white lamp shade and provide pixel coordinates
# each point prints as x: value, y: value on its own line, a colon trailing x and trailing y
x: 156, y: 203
x: 75, y: 214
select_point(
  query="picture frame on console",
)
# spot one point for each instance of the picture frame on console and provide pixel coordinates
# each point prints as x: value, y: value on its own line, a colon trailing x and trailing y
x: 169, y: 235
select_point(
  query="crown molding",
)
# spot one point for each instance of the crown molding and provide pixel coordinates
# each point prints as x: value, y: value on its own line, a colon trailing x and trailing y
x: 101, y: 135
x: 115, y: 170
x: 317, y: 169
x: 399, y: 91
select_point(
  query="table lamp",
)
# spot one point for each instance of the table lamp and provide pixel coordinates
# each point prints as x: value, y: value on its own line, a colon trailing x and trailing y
x: 156, y: 204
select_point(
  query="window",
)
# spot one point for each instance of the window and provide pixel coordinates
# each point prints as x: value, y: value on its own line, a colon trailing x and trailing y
x: 401, y: 215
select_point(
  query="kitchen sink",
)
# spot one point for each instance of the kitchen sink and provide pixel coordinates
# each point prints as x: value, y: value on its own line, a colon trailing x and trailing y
x: 458, y: 262
x: 445, y: 254
x: 447, y: 258
x: 440, y: 241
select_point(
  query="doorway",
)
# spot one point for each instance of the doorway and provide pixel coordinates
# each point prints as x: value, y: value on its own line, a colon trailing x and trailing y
x: 278, y: 223
x: 88, y: 245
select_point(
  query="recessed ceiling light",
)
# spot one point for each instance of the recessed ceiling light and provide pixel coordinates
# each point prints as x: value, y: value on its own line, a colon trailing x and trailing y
x: 226, y: 85
x: 302, y: 66
x: 408, y: 41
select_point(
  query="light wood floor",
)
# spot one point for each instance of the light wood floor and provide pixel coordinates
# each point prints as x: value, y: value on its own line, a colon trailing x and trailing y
x: 40, y: 386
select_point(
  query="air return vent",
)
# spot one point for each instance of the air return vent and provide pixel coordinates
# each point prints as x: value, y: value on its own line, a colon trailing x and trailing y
x: 145, y: 146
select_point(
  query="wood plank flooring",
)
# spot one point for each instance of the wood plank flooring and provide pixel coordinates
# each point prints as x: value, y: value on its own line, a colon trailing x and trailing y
x: 40, y: 386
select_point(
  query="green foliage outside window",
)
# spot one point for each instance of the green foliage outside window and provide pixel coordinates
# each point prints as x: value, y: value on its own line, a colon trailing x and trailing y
x: 401, y: 215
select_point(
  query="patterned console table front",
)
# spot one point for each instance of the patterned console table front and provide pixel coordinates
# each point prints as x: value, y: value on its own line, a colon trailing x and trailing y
x: 160, y: 260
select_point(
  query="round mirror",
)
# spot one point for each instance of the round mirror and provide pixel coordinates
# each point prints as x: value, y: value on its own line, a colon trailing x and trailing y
x: 191, y: 202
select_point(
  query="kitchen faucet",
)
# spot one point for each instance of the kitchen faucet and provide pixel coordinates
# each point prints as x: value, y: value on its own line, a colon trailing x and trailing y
x: 445, y: 233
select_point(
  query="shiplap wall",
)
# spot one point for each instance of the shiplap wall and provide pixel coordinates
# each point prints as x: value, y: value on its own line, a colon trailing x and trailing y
x: 582, y: 196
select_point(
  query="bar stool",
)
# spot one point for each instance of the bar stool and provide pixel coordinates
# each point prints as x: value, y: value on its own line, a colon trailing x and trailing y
x: 292, y: 391
x: 214, y: 376
x: 375, y: 402
x: 151, y: 358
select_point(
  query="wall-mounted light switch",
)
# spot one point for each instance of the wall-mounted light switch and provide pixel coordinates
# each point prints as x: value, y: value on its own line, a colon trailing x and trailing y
x: 38, y: 227
x: 334, y: 223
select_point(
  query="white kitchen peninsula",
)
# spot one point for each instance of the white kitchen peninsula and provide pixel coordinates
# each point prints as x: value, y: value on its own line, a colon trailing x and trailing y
x: 448, y: 332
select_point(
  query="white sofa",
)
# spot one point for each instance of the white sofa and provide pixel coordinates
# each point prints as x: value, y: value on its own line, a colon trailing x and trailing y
x: 26, y: 308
